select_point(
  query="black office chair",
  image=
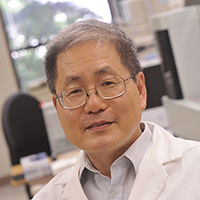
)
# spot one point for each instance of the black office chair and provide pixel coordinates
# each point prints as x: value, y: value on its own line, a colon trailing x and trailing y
x: 24, y: 128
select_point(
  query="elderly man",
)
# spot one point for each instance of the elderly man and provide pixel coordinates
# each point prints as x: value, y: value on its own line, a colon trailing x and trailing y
x: 99, y: 93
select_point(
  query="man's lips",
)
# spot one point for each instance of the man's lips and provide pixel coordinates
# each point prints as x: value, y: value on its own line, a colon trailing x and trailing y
x: 98, y: 124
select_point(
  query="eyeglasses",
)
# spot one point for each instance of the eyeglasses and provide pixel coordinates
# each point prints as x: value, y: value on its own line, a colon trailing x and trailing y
x: 106, y: 89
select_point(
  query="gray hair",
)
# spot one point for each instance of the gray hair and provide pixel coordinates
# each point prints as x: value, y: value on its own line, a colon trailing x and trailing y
x: 90, y: 30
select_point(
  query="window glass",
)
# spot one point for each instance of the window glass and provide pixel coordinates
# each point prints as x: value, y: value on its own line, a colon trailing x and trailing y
x: 29, y: 24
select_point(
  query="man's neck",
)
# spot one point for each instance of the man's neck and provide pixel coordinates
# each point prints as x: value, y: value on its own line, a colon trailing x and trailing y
x: 103, y: 160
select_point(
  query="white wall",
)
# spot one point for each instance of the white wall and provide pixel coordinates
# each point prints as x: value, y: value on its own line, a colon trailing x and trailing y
x: 8, y: 85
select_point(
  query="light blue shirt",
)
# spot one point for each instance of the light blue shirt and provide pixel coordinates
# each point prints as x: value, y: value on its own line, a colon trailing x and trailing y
x: 123, y: 172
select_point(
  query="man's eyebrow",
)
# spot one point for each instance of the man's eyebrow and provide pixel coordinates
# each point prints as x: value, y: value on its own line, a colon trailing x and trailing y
x: 70, y: 79
x: 103, y: 70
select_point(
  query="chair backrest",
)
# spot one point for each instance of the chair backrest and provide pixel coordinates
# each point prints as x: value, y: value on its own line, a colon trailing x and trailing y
x: 24, y: 127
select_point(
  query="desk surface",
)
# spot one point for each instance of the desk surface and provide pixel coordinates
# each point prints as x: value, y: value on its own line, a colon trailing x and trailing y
x: 17, y: 175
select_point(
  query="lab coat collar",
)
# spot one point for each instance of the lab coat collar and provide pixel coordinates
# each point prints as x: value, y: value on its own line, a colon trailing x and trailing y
x: 166, y: 146
x: 71, y: 183
x: 152, y: 176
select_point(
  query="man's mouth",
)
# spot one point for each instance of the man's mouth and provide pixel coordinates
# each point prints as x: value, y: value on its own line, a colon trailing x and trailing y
x: 99, y: 124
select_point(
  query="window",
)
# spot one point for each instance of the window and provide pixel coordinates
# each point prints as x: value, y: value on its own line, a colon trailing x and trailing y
x: 29, y: 24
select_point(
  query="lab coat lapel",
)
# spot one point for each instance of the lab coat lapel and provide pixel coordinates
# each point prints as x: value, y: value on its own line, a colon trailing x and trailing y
x: 152, y: 175
x: 73, y: 188
x: 150, y: 179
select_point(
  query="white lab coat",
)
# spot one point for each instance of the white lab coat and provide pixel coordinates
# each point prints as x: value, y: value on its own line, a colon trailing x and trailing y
x: 170, y: 170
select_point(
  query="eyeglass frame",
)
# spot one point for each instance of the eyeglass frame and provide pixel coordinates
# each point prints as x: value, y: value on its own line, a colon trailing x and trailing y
x: 59, y: 96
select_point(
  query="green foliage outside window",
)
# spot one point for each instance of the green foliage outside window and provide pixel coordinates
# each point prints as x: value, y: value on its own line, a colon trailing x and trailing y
x: 29, y: 25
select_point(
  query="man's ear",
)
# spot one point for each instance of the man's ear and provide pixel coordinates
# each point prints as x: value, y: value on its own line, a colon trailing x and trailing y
x: 140, y: 81
x: 54, y: 101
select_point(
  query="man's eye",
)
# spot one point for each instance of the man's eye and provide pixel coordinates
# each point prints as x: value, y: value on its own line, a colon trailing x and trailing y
x: 108, y: 83
x: 74, y: 92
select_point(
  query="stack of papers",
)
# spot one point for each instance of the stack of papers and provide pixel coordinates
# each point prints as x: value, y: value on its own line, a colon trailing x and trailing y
x: 35, y: 166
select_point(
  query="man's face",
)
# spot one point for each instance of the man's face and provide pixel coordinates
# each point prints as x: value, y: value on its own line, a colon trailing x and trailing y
x: 99, y: 126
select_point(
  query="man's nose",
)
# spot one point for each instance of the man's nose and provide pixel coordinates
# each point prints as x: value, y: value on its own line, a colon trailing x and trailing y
x: 94, y: 102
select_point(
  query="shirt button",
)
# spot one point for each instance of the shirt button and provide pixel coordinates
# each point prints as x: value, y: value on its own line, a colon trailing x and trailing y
x: 113, y: 195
